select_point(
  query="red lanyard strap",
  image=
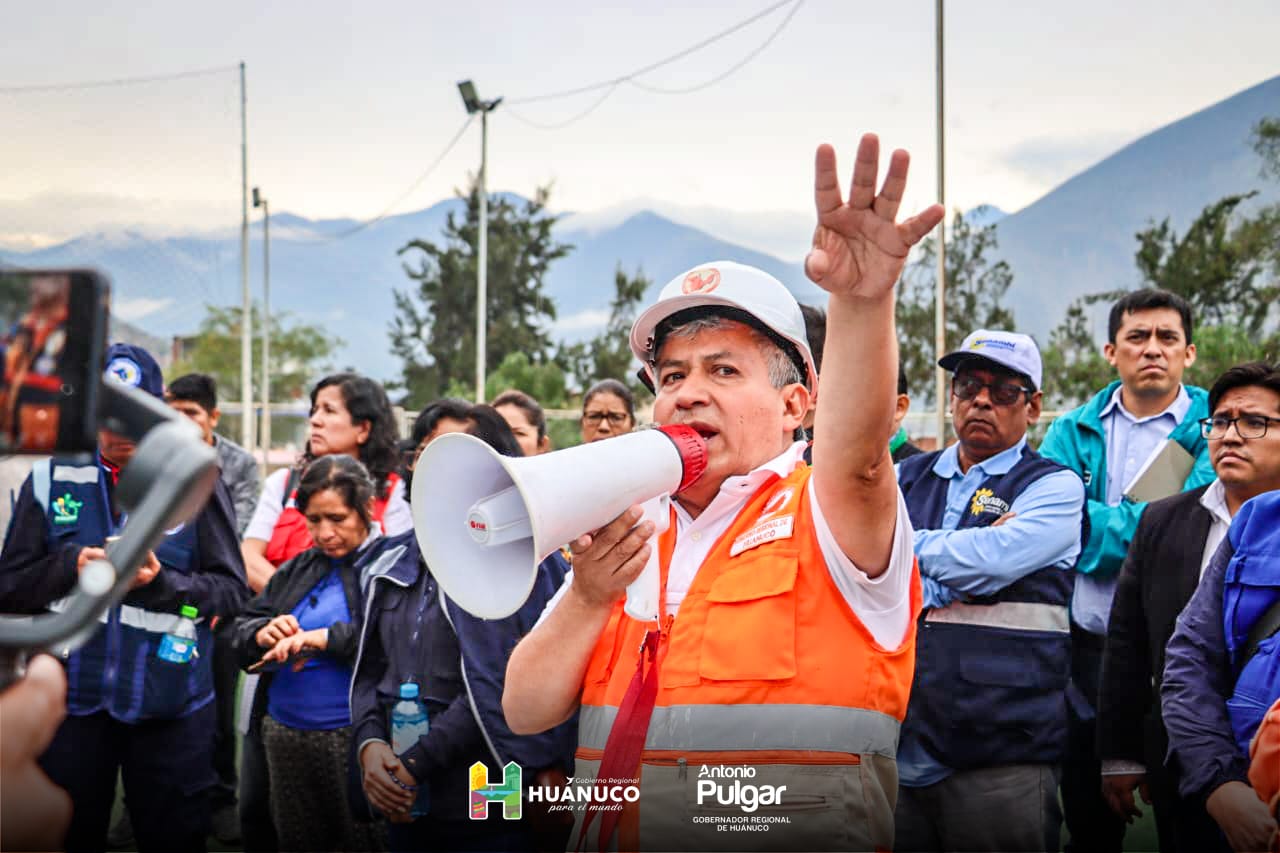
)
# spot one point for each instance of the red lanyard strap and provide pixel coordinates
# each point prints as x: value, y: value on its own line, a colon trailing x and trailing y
x: 621, y: 759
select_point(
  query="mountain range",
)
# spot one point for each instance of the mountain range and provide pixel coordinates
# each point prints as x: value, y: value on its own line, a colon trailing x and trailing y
x: 1076, y: 239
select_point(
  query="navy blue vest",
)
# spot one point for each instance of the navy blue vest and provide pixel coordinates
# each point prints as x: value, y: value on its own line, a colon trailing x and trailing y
x: 1251, y: 586
x: 991, y: 676
x: 117, y: 669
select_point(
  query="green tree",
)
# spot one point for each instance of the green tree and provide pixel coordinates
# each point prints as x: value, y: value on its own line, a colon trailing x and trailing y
x: 433, y: 332
x: 608, y: 355
x: 976, y: 288
x: 1266, y: 141
x: 544, y: 382
x: 1074, y: 368
x: 300, y: 353
x: 1218, y: 265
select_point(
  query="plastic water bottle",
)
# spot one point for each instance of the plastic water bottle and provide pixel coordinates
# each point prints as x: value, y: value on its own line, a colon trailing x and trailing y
x: 408, y: 723
x: 179, y: 645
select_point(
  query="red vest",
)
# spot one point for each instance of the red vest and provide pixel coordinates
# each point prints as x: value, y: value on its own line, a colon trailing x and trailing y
x: 290, y: 536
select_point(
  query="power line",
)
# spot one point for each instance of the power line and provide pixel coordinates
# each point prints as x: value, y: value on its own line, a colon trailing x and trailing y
x: 120, y: 81
x: 558, y: 125
x: 629, y: 77
x: 341, y: 235
x: 731, y: 70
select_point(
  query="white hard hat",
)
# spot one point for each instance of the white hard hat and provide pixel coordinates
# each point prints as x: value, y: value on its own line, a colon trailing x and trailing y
x: 729, y: 285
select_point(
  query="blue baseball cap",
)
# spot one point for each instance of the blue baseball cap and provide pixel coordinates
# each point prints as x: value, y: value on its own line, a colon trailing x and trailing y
x: 134, y: 366
x: 1009, y: 350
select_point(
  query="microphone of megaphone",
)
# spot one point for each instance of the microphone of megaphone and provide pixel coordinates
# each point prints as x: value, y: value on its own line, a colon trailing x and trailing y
x: 485, y: 521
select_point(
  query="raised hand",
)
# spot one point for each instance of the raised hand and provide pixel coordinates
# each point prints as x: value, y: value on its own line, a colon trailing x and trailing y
x: 859, y: 249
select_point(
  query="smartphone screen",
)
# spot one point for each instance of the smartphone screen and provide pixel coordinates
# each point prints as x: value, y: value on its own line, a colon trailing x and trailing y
x: 52, y: 336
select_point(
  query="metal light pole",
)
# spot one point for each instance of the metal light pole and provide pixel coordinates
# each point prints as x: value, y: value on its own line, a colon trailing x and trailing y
x: 940, y: 312
x: 474, y: 105
x: 246, y: 317
x: 264, y: 431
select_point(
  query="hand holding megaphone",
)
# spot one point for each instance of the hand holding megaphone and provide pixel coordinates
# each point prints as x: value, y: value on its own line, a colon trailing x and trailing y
x: 485, y: 521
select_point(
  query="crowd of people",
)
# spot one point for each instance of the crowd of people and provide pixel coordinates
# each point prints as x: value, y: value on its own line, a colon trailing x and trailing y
x: 963, y: 648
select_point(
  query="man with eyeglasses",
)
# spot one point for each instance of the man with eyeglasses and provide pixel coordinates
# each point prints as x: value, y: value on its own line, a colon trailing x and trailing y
x: 998, y: 529
x: 1108, y: 441
x: 1174, y: 543
x: 1222, y: 666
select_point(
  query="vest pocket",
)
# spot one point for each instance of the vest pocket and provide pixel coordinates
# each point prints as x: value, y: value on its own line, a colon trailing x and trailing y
x: 750, y: 632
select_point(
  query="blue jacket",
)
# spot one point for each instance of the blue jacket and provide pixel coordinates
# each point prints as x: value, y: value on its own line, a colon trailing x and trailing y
x: 1078, y: 440
x: 991, y: 673
x: 65, y: 506
x: 413, y: 632
x: 1212, y: 707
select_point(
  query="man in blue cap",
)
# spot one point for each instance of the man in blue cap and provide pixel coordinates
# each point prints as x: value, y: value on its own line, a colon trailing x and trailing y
x: 129, y: 711
x: 997, y: 533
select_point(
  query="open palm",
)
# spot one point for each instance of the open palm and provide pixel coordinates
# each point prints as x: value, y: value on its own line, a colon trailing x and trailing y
x: 858, y: 248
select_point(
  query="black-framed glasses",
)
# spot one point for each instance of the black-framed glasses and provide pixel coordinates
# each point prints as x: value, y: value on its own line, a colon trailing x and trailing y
x: 615, y: 418
x: 1002, y: 393
x: 1247, y: 426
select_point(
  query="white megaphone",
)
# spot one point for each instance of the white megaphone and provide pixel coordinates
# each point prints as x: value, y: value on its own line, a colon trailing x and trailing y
x: 485, y: 521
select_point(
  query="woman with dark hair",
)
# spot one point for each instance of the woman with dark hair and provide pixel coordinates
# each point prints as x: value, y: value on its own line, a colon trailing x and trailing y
x: 413, y: 632
x: 303, y: 631
x: 608, y: 409
x: 527, y: 420
x: 448, y: 414
x: 349, y: 414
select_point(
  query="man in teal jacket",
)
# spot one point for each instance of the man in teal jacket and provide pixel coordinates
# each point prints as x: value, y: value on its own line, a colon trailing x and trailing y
x: 1107, y: 441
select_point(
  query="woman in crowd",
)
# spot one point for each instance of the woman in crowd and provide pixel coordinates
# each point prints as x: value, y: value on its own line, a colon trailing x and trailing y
x: 527, y: 421
x: 303, y: 630
x: 608, y: 409
x: 412, y: 632
x: 349, y: 414
x: 447, y: 414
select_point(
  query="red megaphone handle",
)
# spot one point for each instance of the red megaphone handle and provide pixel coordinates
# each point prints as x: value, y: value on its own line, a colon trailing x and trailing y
x: 693, y: 452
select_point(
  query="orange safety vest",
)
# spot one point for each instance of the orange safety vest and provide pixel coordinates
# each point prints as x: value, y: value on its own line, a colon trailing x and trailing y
x: 765, y: 671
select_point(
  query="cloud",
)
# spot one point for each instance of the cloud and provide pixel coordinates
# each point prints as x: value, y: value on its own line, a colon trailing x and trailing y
x: 584, y: 321
x: 130, y: 310
x: 1049, y: 160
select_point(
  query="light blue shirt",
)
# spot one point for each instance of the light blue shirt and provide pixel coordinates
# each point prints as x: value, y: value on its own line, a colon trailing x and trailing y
x: 980, y: 561
x: 1131, y: 441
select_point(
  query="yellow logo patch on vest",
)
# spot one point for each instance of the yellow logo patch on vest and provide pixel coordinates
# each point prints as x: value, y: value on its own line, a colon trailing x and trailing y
x: 66, y: 510
x: 985, y: 500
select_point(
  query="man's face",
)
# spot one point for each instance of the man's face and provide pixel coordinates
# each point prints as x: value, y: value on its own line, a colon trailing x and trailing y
x: 997, y: 416
x: 203, y: 418
x: 116, y: 449
x: 717, y: 381
x: 1151, y: 352
x: 1242, y: 462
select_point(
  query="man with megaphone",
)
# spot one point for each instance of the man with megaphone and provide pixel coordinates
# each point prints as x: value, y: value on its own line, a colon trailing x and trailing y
x: 760, y: 710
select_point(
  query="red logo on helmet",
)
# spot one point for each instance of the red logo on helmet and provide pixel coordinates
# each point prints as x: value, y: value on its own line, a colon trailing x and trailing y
x: 701, y: 281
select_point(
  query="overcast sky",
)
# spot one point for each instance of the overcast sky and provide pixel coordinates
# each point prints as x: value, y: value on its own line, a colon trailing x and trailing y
x: 349, y: 103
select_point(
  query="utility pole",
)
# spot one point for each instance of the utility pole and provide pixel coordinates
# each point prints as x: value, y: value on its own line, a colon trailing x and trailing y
x: 474, y: 104
x: 246, y: 317
x: 264, y: 432
x: 940, y: 300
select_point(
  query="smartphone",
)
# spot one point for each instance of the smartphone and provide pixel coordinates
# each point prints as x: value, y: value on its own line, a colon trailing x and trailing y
x: 53, y: 326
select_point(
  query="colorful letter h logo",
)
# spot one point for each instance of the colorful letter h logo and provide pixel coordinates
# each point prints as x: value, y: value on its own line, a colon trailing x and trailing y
x: 506, y: 792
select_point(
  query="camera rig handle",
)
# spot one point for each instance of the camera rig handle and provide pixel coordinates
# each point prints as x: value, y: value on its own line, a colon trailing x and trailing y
x: 170, y: 477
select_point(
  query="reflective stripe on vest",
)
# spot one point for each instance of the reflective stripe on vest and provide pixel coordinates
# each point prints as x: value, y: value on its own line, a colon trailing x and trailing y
x: 748, y: 728
x: 135, y: 617
x: 1015, y: 615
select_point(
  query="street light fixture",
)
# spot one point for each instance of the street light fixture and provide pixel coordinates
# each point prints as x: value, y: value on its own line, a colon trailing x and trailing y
x: 259, y: 200
x: 475, y: 104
